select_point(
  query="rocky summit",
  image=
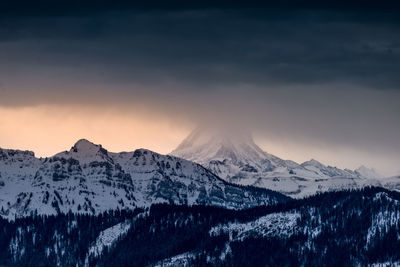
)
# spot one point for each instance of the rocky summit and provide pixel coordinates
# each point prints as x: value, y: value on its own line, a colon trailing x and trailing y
x: 90, y: 179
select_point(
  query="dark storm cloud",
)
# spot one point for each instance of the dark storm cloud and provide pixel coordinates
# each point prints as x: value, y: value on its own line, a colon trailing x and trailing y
x: 213, y: 45
x: 62, y: 7
x: 200, y: 45
x: 316, y: 71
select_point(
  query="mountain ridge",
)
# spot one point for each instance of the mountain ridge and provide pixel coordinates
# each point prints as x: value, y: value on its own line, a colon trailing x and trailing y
x: 244, y: 162
x: 89, y: 179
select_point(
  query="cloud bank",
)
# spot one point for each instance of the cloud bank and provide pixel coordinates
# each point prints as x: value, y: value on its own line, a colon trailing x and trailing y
x: 315, y: 76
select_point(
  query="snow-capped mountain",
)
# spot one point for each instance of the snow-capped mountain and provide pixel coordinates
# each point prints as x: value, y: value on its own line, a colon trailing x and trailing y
x: 367, y: 172
x: 89, y: 179
x: 236, y: 158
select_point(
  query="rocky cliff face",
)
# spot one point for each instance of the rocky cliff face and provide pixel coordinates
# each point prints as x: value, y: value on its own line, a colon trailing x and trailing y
x: 89, y: 179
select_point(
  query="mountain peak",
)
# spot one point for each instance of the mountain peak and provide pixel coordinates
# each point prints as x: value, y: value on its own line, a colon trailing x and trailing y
x: 204, y: 144
x: 225, y: 137
x: 85, y: 146
x: 86, y: 151
x: 367, y: 172
x: 83, y: 143
x: 313, y: 162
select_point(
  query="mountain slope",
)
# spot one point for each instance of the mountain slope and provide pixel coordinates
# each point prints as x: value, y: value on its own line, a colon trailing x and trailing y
x: 89, y: 179
x: 346, y: 228
x: 236, y: 158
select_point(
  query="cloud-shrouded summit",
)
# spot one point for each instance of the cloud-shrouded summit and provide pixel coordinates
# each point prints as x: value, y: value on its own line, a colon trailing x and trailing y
x: 235, y: 157
x: 89, y: 179
x: 311, y: 80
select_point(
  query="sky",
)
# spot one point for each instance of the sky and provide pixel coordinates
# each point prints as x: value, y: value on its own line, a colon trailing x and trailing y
x: 310, y: 79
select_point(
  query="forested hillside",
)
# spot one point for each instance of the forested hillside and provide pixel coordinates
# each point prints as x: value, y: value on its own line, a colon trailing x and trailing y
x: 336, y: 228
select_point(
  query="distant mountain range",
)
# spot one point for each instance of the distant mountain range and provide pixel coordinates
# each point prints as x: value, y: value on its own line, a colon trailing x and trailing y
x: 216, y: 168
x: 91, y: 207
x: 89, y: 179
x: 235, y: 157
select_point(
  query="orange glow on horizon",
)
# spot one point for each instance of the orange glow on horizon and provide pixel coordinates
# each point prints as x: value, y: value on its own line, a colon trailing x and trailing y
x: 47, y: 130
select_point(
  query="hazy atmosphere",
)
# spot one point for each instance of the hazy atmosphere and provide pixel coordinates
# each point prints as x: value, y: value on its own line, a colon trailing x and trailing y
x: 308, y: 81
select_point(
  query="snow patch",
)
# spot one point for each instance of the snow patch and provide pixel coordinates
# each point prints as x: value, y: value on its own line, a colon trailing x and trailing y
x: 276, y: 224
x: 107, y: 237
x: 178, y: 260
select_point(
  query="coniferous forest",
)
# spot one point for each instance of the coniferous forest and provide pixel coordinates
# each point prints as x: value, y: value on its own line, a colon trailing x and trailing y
x: 345, y: 228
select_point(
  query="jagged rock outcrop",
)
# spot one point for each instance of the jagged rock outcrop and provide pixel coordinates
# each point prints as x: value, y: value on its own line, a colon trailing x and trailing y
x: 89, y: 179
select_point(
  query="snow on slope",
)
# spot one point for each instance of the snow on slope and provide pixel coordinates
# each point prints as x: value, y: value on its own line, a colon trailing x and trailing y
x: 367, y: 172
x: 182, y: 260
x: 89, y: 179
x: 107, y: 237
x: 384, y: 219
x: 277, y: 224
x: 385, y: 264
x: 236, y: 158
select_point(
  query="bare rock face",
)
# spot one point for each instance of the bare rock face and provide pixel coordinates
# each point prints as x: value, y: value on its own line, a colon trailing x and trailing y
x: 89, y: 179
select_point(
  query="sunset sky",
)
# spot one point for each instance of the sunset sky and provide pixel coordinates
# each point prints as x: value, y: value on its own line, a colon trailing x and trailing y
x: 314, y: 81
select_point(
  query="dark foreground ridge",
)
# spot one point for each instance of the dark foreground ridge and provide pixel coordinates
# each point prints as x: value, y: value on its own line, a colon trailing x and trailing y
x: 347, y: 228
